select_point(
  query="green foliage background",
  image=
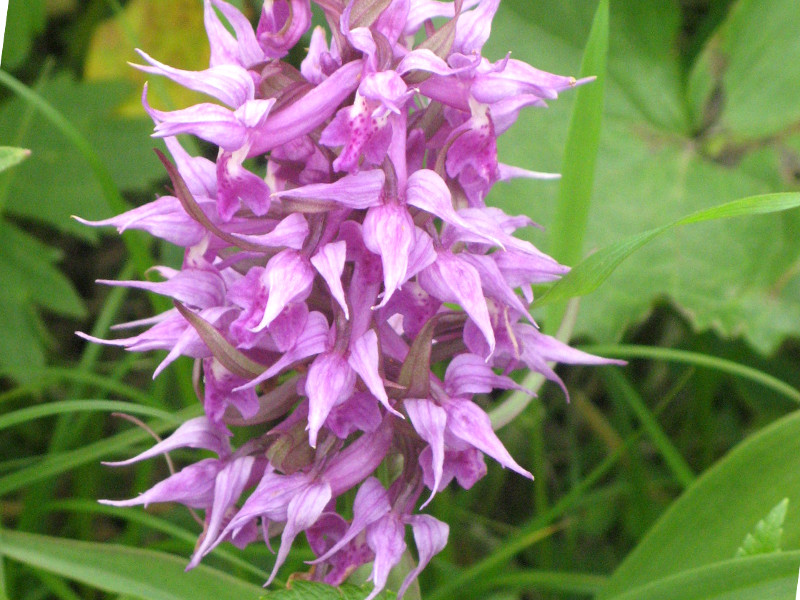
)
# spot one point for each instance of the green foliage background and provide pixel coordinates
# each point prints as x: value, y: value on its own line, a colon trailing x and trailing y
x: 647, y: 483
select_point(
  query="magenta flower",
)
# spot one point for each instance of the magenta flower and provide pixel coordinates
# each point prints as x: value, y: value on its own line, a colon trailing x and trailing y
x: 319, y: 290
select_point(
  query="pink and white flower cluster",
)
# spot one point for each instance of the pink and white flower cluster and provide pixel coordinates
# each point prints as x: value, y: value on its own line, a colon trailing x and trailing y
x: 336, y: 250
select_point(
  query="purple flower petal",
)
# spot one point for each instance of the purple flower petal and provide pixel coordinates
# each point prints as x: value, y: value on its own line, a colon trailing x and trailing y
x: 430, y: 538
x: 361, y: 190
x: 429, y: 421
x: 288, y: 278
x: 390, y: 233
x: 329, y: 262
x: 330, y: 382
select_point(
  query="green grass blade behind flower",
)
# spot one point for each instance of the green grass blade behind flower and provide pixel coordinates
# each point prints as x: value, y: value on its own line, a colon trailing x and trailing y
x: 132, y: 572
x: 75, y: 406
x: 699, y: 360
x: 50, y: 375
x: 116, y: 203
x: 594, y: 270
x: 580, y: 154
x: 620, y: 386
x: 153, y: 523
x: 57, y: 464
x: 12, y: 156
x: 547, y: 581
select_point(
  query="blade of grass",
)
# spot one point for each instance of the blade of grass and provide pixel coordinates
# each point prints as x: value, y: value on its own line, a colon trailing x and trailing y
x: 580, y: 154
x: 74, y: 406
x: 56, y: 464
x: 552, y: 581
x: 699, y: 360
x: 50, y: 375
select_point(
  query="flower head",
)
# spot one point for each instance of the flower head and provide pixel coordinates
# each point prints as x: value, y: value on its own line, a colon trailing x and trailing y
x: 336, y: 250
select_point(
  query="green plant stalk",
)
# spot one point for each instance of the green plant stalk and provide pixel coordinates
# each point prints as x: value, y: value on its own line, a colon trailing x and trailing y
x: 620, y: 386
x: 580, y: 155
x: 699, y: 360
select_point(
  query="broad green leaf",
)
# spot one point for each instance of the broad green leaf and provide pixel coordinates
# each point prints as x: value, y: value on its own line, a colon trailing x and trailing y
x: 708, y: 522
x: 740, y: 88
x: 766, y: 537
x: 57, y: 182
x: 592, y: 272
x: 118, y: 569
x: 12, y: 156
x: 654, y: 167
x: 752, y: 578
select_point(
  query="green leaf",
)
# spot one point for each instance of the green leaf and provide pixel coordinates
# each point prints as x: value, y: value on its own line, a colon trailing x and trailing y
x: 653, y: 167
x: 580, y: 154
x: 309, y: 590
x: 753, y: 578
x: 24, y: 20
x: 29, y: 280
x: 588, y: 275
x: 57, y: 182
x: 12, y: 156
x: 123, y: 570
x: 766, y: 537
x: 738, y: 87
x: 709, y: 521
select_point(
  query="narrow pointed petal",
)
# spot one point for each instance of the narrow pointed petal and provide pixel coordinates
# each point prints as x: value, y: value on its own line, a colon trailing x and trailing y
x: 364, y: 359
x: 429, y: 421
x: 194, y: 287
x: 303, y: 511
x: 467, y: 421
x: 290, y: 232
x: 329, y: 262
x: 288, y: 278
x: 428, y: 191
x: 163, y: 218
x: 451, y: 279
x: 230, y: 482
x: 430, y: 538
x: 371, y: 503
x: 192, y: 486
x: 311, y: 341
x: 359, y: 191
x: 468, y: 374
x: 385, y: 537
x: 199, y: 432
x: 357, y: 461
x: 237, y: 185
x: 390, y: 233
x: 244, y: 49
x: 230, y: 84
x: 330, y: 382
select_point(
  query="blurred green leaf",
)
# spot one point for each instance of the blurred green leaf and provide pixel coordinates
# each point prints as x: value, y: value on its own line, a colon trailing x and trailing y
x: 753, y: 578
x: 120, y: 569
x: 654, y: 166
x: 57, y: 182
x: 741, y: 86
x: 708, y: 522
x: 167, y: 31
x: 12, y: 156
x: 30, y: 281
x: 25, y: 19
x: 766, y: 537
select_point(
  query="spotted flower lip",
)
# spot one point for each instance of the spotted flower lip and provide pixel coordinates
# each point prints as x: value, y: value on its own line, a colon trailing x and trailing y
x: 338, y: 255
